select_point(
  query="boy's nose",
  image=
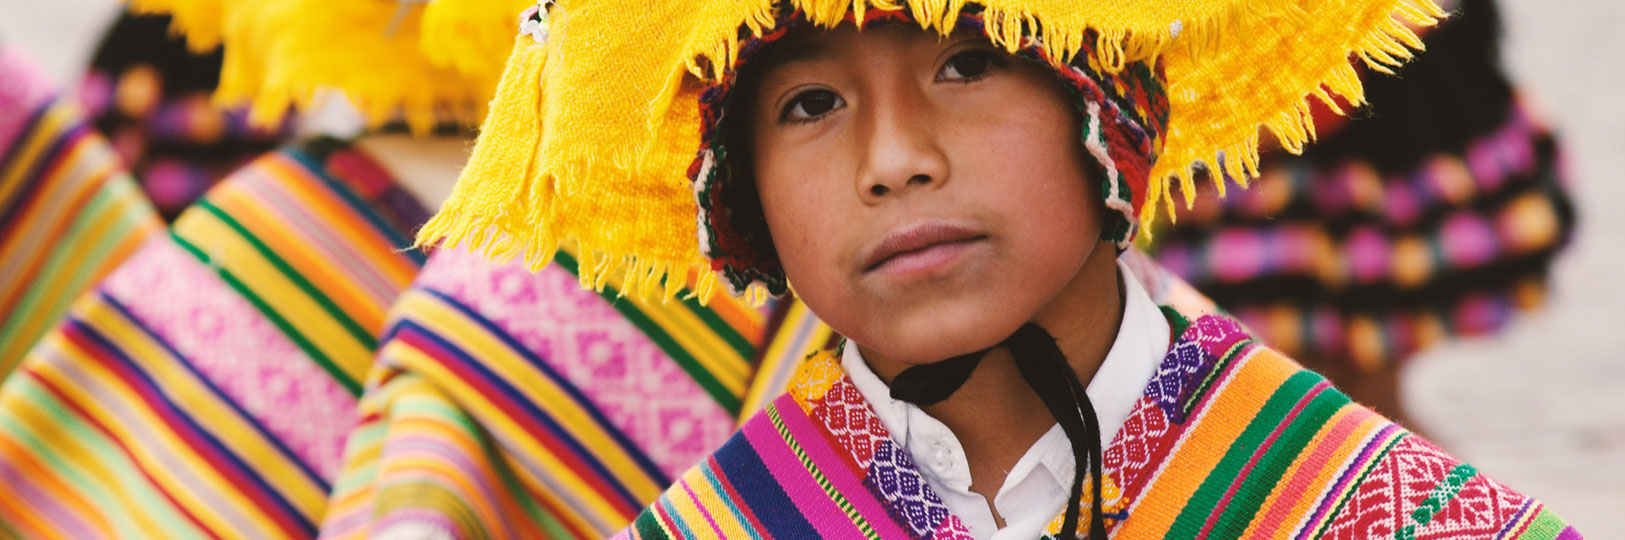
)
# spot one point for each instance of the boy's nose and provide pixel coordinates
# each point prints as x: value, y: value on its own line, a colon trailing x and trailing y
x: 900, y: 151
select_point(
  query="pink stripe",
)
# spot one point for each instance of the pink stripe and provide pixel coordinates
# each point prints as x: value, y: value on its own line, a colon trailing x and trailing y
x: 1368, y: 454
x: 701, y: 506
x: 794, y: 479
x: 1312, y: 465
x: 842, y: 470
x: 1246, y: 470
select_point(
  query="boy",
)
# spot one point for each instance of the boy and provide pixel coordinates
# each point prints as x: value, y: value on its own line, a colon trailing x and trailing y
x: 917, y: 172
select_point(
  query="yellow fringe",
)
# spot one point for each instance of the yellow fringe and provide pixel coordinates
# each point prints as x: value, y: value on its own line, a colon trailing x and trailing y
x: 1201, y: 88
x: 436, y: 64
x: 598, y: 159
x: 199, y: 21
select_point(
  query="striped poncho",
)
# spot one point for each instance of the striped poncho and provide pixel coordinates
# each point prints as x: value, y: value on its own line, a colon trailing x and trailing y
x: 69, y: 211
x: 513, y: 404
x: 205, y: 388
x: 1230, y: 440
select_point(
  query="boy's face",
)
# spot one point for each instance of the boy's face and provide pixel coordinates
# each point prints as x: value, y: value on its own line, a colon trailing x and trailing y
x: 927, y: 196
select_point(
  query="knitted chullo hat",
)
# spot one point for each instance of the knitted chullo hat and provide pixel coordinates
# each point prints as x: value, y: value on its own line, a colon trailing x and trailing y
x: 605, y: 131
x: 426, y: 61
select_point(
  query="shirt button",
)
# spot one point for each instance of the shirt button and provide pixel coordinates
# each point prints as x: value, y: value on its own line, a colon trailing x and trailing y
x: 942, y: 457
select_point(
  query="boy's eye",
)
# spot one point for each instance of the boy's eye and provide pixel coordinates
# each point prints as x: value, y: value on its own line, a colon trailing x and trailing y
x: 809, y: 105
x: 968, y: 66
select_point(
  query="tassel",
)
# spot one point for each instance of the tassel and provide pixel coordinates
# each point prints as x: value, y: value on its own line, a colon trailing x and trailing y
x: 501, y: 189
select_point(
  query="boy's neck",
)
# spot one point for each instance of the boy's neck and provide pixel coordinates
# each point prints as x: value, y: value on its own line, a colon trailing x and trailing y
x: 995, y: 415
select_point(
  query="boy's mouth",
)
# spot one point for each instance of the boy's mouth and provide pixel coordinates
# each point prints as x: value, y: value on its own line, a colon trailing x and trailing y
x: 919, y: 248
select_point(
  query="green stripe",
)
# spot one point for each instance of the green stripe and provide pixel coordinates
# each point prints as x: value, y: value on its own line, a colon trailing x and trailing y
x: 361, y: 335
x: 812, y: 468
x: 276, y: 319
x: 647, y: 526
x: 1440, y: 496
x: 707, y: 380
x: 1271, y: 467
x: 1546, y: 526
x: 1206, y: 498
x: 41, y: 303
x: 125, y: 475
x: 727, y: 332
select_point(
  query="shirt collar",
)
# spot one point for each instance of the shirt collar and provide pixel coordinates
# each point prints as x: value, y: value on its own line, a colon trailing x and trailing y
x: 1142, y: 340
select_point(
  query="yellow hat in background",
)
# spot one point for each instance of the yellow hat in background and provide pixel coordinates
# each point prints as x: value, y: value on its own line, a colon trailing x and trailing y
x: 424, y: 61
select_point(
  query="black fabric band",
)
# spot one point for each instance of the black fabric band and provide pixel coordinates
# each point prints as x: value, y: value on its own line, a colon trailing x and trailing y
x: 1047, y: 372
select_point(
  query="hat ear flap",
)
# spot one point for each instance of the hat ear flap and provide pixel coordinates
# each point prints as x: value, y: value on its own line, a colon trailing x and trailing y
x: 503, y: 190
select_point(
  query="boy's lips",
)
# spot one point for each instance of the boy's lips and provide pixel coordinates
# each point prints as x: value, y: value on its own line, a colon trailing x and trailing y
x: 919, y: 247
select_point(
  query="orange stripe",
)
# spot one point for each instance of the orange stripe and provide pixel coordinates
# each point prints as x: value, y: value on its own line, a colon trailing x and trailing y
x: 65, y: 286
x: 1313, y: 473
x: 377, y: 247
x: 1225, y: 413
x: 37, y: 473
x: 48, y: 232
x: 332, y: 279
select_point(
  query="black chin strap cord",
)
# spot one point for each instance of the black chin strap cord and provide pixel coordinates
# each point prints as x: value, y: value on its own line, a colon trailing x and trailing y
x: 1046, y: 370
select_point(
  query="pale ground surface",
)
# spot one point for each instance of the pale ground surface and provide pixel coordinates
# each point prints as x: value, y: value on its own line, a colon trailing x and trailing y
x: 1540, y: 407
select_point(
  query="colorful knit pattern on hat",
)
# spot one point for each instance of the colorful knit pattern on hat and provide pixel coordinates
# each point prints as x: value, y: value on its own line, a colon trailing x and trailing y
x: 605, y: 161
x: 1124, y: 118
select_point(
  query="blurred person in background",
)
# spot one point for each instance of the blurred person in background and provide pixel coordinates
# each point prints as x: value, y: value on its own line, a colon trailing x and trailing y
x: 69, y: 209
x: 1435, y: 211
x: 150, y: 94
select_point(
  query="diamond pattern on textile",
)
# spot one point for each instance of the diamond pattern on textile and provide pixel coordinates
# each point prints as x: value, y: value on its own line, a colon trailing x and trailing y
x: 642, y: 392
x: 1130, y: 455
x: 238, y: 350
x: 1383, y: 502
x: 1480, y: 510
x: 1190, y: 360
x: 1177, y: 376
x: 846, y: 416
x: 893, y: 476
x: 952, y: 529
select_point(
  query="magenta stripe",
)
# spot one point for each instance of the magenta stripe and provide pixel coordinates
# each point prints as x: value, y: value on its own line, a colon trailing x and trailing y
x: 701, y: 506
x: 1334, y: 495
x: 793, y: 478
x: 1241, y: 478
x: 842, y: 470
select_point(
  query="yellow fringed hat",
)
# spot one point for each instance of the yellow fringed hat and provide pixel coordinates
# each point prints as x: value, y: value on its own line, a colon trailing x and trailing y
x: 605, y: 133
x: 423, y: 60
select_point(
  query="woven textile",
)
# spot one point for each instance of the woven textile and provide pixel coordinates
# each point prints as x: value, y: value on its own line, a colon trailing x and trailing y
x: 1437, y: 212
x: 513, y: 404
x: 205, y: 388
x: 1229, y: 440
x: 69, y: 212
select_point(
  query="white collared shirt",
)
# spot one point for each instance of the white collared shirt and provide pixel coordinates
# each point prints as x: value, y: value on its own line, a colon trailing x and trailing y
x: 1035, y: 490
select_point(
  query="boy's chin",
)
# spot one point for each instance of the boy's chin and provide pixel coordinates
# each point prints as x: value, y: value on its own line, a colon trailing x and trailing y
x: 928, y: 341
